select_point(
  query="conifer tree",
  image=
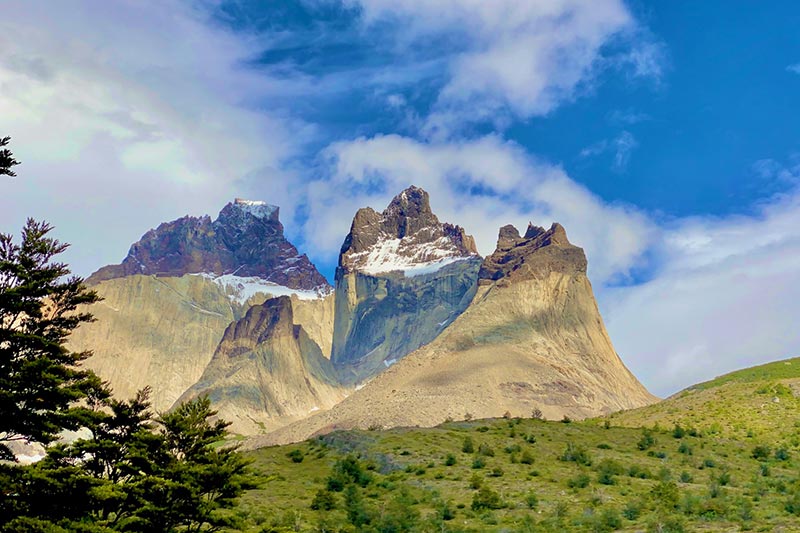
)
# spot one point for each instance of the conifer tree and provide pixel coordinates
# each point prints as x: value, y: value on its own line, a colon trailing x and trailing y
x: 40, y: 381
x: 6, y: 158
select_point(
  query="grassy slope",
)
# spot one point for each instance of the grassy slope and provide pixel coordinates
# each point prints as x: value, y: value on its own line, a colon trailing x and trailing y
x: 755, y: 404
x: 719, y: 485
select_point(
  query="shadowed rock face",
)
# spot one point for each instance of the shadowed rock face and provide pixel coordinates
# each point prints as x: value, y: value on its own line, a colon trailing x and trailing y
x: 246, y: 239
x: 402, y: 277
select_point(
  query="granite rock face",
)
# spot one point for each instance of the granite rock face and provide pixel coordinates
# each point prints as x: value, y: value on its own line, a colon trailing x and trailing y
x: 246, y: 239
x: 154, y: 331
x: 267, y: 371
x: 406, y: 236
x: 403, y: 276
x: 533, y: 255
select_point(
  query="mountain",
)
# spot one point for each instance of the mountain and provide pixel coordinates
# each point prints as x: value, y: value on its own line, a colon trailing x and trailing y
x: 402, y: 277
x: 246, y: 240
x: 419, y: 328
x: 168, y: 304
x: 531, y: 338
x: 267, y: 371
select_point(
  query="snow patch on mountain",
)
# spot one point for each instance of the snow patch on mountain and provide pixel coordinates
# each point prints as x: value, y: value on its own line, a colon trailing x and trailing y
x: 257, y: 208
x: 407, y: 255
x: 240, y: 289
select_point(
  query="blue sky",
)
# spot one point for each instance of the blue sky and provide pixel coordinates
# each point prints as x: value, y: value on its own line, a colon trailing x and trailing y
x: 663, y: 135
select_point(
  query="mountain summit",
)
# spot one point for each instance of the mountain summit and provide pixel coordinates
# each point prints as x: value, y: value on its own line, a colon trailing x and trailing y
x: 245, y: 240
x: 402, y: 277
x: 405, y: 237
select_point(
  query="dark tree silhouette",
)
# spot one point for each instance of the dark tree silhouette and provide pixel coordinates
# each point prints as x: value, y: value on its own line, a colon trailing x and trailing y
x: 6, y: 158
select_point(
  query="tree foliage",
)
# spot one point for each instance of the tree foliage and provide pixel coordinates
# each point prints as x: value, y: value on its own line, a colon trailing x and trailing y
x: 131, y: 471
x: 40, y: 381
x: 134, y: 473
x: 6, y: 158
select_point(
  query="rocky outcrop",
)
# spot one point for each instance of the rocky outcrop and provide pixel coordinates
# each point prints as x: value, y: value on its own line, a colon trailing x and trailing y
x: 532, y: 338
x: 532, y: 256
x: 267, y: 371
x: 245, y: 240
x: 403, y: 276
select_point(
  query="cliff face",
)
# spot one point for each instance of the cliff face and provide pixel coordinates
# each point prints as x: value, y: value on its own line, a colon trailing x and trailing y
x: 154, y: 331
x: 532, y: 338
x: 402, y: 277
x: 267, y: 371
x: 246, y: 240
x: 167, y: 305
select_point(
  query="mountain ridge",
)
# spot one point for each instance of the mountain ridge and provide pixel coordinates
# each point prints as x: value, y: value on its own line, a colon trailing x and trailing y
x: 531, y: 338
x: 246, y: 239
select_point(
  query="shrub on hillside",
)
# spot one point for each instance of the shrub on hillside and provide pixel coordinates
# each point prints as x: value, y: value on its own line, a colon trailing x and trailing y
x: 761, y: 452
x: 577, y: 454
x: 647, y: 441
x: 486, y: 498
x: 468, y: 446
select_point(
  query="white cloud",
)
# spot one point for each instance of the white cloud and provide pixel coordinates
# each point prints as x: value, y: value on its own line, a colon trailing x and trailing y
x: 482, y: 184
x: 129, y: 114
x: 795, y: 68
x: 622, y: 147
x: 595, y: 149
x: 727, y: 296
x: 510, y: 56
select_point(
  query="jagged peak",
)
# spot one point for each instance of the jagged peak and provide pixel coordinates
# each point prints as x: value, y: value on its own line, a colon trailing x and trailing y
x: 257, y: 208
x: 413, y: 199
x: 405, y: 236
x: 539, y: 251
x: 507, y: 236
x: 533, y: 231
x: 242, y: 213
x: 261, y: 322
x: 246, y: 239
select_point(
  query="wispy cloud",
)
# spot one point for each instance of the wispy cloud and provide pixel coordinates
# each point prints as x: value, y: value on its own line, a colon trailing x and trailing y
x: 509, y: 59
x: 627, y: 117
x: 595, y: 149
x: 730, y: 286
x: 795, y: 68
x: 621, y: 146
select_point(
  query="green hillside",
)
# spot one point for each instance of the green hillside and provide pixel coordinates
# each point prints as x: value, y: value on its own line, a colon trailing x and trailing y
x: 530, y: 475
x: 755, y: 404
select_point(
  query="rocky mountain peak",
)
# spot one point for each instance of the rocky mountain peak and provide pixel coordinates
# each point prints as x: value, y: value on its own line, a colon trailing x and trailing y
x: 241, y: 214
x: 507, y: 237
x: 410, y: 211
x: 245, y: 240
x: 405, y: 236
x: 533, y: 255
x: 274, y: 318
